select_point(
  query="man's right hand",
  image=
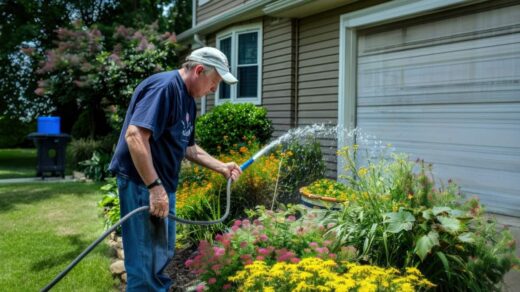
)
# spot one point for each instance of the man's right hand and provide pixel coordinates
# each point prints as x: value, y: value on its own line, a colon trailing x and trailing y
x: 159, y: 202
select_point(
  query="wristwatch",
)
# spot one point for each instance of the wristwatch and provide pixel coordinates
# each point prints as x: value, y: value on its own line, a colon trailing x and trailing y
x: 156, y: 182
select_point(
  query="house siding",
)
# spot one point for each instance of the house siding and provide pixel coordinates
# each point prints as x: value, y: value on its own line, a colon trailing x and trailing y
x: 277, y: 71
x: 216, y: 7
x: 318, y: 71
x: 278, y: 82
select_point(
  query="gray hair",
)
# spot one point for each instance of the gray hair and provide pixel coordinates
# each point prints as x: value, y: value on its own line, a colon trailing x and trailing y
x: 188, y: 65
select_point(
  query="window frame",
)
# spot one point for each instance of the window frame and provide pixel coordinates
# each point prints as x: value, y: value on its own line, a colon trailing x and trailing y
x: 234, y: 32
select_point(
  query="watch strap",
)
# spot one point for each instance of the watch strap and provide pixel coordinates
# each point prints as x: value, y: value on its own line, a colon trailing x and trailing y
x: 155, y: 183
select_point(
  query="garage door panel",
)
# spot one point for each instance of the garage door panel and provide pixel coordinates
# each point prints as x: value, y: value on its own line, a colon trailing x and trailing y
x: 472, y: 66
x: 463, y: 96
x: 450, y: 97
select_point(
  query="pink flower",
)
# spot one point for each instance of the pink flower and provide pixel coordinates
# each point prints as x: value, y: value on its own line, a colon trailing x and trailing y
x: 260, y: 258
x: 264, y: 237
x: 243, y: 244
x: 246, y: 223
x: 263, y: 251
x: 212, y: 281
x: 291, y: 218
x: 227, y: 286
x: 313, y: 244
x: 237, y: 223
x: 257, y: 222
x: 200, y: 288
x: 216, y: 268
x: 219, y: 251
x: 295, y: 260
x: 235, y: 228
x: 188, y: 263
x: 39, y: 91
x: 330, y: 225
x: 322, y: 250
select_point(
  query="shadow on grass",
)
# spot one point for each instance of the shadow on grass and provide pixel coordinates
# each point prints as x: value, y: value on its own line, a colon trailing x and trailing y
x: 58, y: 259
x: 19, y: 194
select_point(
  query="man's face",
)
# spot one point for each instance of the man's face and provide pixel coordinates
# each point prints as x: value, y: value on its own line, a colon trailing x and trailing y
x: 205, y: 83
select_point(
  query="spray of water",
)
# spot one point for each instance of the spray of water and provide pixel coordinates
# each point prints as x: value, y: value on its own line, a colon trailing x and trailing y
x: 373, y: 146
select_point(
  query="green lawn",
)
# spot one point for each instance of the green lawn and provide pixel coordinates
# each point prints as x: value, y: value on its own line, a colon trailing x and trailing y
x: 43, y: 227
x: 16, y: 163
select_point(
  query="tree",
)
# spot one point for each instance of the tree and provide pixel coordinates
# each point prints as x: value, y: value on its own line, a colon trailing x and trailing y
x: 32, y: 25
x: 86, y: 77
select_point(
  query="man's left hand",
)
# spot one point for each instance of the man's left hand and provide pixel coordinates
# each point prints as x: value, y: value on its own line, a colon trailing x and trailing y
x: 231, y: 170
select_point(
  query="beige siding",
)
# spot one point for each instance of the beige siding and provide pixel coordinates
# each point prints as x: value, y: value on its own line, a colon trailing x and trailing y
x: 216, y: 7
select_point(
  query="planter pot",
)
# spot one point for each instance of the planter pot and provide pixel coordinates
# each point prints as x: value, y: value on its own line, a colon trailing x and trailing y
x: 317, y: 201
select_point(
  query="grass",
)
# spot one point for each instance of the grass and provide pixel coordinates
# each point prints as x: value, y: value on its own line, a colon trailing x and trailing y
x: 16, y: 163
x: 43, y: 227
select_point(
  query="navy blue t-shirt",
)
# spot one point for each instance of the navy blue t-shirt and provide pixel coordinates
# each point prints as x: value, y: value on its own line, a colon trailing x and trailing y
x: 161, y: 104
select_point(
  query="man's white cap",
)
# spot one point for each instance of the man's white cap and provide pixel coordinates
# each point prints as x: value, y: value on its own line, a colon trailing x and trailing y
x: 214, y: 58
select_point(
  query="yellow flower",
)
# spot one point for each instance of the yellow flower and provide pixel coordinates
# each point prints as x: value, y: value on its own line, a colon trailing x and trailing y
x: 362, y: 171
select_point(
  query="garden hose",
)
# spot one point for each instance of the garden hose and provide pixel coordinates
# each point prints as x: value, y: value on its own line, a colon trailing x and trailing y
x: 170, y: 216
x: 126, y: 217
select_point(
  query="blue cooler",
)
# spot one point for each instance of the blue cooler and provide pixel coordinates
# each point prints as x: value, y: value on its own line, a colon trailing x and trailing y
x: 48, y: 125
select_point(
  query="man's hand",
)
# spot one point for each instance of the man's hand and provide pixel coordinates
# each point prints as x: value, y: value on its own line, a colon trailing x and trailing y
x: 159, y: 202
x: 231, y: 170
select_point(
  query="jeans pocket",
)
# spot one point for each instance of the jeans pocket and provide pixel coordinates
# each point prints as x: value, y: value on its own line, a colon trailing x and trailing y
x: 122, y: 183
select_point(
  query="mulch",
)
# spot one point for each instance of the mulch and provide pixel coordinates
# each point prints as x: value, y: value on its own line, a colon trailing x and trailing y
x: 181, y: 276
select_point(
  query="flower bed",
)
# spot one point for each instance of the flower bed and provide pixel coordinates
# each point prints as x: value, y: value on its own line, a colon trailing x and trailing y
x: 393, y: 216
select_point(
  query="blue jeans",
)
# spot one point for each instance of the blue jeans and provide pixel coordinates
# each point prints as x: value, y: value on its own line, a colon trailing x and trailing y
x: 148, y: 241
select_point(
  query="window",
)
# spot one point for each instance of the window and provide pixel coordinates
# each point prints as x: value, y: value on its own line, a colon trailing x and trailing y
x: 242, y: 46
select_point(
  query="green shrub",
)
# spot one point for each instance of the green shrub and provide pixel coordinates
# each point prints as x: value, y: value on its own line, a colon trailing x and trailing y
x: 394, y: 215
x: 14, y: 132
x: 302, y: 165
x: 229, y: 126
x: 80, y: 150
x: 110, y: 204
x: 96, y: 168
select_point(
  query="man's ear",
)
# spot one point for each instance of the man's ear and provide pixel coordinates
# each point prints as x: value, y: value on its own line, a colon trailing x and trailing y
x: 199, y: 69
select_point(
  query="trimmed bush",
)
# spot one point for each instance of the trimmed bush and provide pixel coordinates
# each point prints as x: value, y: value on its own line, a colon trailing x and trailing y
x: 229, y: 127
x: 14, y: 132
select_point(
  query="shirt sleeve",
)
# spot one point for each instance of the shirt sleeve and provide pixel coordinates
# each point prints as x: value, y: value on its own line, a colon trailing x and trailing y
x: 151, y: 111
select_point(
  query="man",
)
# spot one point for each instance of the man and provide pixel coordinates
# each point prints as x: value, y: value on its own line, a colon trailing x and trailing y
x: 157, y: 134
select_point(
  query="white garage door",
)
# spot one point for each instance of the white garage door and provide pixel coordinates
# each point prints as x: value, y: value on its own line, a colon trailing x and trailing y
x: 447, y: 90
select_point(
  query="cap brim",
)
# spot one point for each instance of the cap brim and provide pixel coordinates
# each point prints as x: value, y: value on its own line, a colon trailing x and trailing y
x: 226, y: 76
